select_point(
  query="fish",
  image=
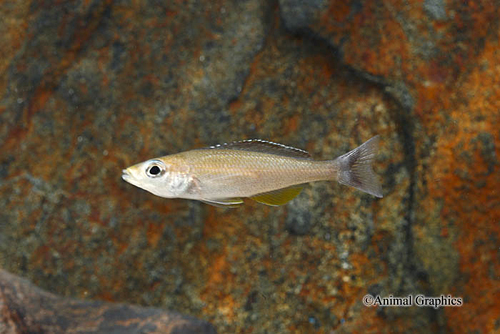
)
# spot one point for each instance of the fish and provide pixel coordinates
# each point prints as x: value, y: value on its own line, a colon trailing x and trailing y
x: 264, y: 171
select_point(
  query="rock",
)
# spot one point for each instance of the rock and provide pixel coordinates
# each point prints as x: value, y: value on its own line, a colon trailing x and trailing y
x: 25, y: 308
x: 298, y: 14
x: 89, y: 88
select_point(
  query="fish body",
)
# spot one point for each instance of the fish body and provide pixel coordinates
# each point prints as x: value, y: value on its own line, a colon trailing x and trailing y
x: 267, y: 172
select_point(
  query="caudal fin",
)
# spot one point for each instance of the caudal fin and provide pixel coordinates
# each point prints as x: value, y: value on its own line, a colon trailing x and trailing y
x: 355, y: 168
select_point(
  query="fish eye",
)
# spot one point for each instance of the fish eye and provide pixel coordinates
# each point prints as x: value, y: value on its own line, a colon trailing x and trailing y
x: 154, y: 171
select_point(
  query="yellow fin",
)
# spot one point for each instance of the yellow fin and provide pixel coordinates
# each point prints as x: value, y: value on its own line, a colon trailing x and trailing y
x: 278, y: 197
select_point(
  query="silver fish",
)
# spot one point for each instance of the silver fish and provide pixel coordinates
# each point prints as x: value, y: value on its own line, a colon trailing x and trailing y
x: 266, y: 172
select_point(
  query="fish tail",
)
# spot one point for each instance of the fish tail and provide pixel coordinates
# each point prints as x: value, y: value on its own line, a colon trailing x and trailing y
x: 355, y: 168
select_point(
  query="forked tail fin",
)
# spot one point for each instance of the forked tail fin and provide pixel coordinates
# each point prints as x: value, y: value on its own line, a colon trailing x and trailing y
x: 355, y: 168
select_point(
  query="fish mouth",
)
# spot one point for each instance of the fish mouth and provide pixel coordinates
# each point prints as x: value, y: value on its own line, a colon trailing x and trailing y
x: 126, y: 175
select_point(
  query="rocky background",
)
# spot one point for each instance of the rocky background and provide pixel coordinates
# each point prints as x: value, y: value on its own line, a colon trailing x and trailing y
x: 90, y: 87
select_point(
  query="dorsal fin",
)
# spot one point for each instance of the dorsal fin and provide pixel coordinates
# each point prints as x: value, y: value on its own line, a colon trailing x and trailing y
x: 278, y: 197
x: 263, y: 146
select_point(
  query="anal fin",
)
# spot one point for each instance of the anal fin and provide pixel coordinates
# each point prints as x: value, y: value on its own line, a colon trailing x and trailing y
x: 278, y: 197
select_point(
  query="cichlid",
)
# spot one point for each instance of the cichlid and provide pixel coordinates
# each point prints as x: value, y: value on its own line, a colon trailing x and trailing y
x: 266, y: 172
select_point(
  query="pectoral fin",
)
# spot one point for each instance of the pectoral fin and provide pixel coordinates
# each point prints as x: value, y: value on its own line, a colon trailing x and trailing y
x: 278, y: 197
x: 224, y: 202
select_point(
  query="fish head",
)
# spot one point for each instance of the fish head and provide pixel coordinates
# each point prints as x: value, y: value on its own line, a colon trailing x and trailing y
x: 159, y: 176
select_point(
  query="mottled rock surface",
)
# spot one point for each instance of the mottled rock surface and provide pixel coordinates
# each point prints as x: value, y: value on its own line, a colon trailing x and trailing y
x: 90, y: 87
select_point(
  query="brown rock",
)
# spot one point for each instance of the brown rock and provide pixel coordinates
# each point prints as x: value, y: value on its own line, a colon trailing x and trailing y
x: 25, y: 308
x: 90, y: 87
